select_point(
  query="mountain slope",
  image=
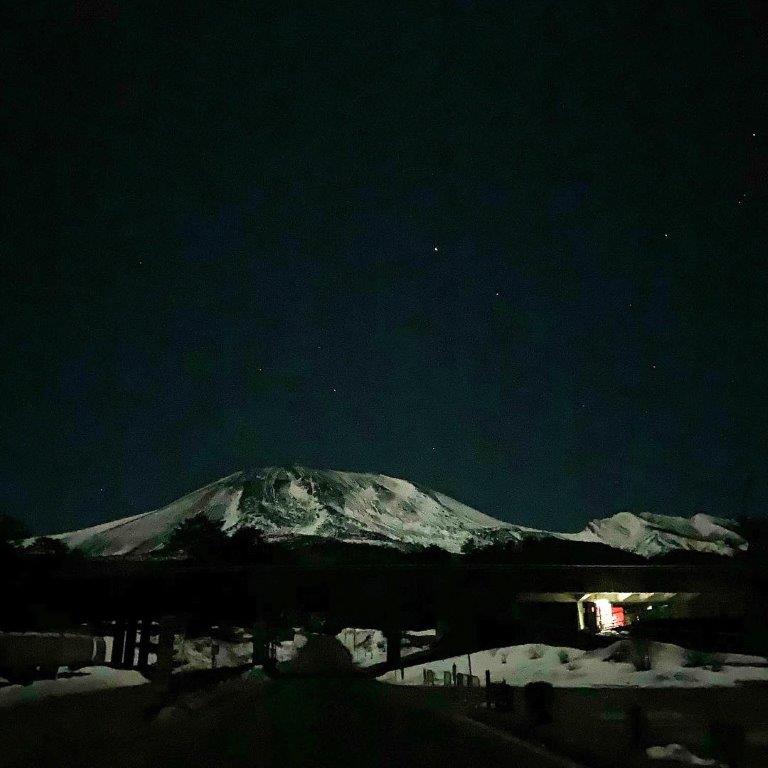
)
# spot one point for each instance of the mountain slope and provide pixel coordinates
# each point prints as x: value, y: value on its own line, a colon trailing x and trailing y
x: 367, y: 508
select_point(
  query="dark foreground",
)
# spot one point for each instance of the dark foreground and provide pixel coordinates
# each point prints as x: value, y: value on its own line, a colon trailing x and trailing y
x: 357, y: 722
x: 314, y: 722
x: 612, y: 727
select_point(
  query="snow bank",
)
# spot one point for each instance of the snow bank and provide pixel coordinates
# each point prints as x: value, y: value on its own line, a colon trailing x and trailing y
x: 571, y: 667
x: 678, y: 753
x: 83, y: 681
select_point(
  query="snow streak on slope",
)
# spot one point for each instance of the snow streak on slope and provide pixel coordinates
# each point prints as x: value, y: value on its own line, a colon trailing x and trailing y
x: 355, y: 507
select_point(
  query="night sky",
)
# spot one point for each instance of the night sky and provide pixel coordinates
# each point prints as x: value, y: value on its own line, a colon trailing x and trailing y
x: 513, y: 251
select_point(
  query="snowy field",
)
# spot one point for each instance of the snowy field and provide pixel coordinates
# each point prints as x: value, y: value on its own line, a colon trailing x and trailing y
x: 571, y: 667
x: 517, y: 665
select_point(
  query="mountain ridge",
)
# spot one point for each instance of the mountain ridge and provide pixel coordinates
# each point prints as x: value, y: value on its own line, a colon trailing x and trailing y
x: 354, y: 507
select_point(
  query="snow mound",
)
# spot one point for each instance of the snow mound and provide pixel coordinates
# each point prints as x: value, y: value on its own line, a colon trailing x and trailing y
x: 319, y: 655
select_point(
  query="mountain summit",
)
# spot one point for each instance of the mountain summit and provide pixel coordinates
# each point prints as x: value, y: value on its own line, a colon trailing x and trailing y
x: 355, y: 507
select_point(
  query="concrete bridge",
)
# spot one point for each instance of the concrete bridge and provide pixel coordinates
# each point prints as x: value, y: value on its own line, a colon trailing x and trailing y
x: 475, y: 605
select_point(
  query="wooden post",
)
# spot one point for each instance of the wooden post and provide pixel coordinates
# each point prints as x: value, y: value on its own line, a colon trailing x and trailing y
x: 488, y: 688
x: 453, y: 673
x: 469, y: 664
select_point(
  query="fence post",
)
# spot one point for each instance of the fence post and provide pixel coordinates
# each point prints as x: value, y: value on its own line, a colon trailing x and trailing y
x: 453, y: 673
x: 488, y: 688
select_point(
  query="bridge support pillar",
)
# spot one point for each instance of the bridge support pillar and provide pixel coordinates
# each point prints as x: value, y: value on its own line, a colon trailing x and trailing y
x: 393, y: 635
x: 131, y: 627
x: 118, y: 644
x: 164, y: 666
x: 145, y: 643
x: 261, y: 645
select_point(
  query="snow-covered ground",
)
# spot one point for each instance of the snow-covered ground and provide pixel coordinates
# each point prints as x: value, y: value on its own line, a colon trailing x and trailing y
x: 571, y: 667
x: 196, y: 653
x: 83, y: 681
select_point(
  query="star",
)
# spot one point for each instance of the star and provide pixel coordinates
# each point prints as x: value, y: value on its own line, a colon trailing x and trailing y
x: 666, y: 234
x: 435, y: 249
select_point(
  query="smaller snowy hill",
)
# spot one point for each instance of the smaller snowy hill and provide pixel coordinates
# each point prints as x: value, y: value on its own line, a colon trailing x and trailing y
x: 647, y: 534
x: 300, y: 504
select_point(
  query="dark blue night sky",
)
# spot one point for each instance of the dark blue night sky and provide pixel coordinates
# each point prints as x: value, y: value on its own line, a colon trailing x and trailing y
x: 511, y: 251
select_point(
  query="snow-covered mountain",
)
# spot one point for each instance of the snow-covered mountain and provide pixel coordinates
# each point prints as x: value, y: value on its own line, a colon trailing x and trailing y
x: 647, y: 534
x: 366, y: 508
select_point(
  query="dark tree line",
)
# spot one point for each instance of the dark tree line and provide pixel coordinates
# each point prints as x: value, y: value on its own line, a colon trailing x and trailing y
x: 201, y: 539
